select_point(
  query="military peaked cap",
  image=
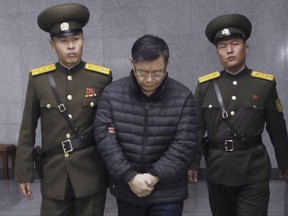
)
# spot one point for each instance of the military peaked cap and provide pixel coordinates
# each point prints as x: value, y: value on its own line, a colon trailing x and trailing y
x: 228, y: 25
x: 65, y: 19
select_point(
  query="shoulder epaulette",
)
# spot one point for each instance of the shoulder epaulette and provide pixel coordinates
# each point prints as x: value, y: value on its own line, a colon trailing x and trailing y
x: 209, y: 76
x: 97, y: 68
x: 262, y: 75
x: 43, y: 69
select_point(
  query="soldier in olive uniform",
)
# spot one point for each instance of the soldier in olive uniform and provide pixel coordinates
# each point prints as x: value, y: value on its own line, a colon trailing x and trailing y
x: 234, y: 117
x: 73, y: 179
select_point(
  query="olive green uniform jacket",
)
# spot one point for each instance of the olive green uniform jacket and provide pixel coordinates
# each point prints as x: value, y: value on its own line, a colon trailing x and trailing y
x: 79, y: 88
x: 252, y: 102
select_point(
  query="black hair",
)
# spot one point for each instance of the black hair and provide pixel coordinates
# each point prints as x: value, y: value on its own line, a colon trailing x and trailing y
x: 230, y: 37
x: 149, y: 48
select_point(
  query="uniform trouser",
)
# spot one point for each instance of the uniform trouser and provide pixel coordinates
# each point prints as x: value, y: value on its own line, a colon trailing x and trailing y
x: 247, y: 200
x: 165, y: 209
x: 71, y: 206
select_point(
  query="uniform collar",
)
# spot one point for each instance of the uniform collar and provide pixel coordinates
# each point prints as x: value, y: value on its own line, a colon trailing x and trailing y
x: 243, y: 73
x: 234, y: 74
x: 73, y: 69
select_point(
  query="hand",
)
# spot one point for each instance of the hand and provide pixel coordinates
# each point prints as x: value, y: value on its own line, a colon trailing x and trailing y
x: 112, y: 131
x: 192, y: 176
x: 139, y: 186
x: 284, y: 174
x: 26, y: 190
x: 151, y: 180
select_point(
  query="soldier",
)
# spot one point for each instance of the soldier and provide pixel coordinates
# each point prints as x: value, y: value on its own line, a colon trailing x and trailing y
x: 64, y: 96
x: 233, y: 107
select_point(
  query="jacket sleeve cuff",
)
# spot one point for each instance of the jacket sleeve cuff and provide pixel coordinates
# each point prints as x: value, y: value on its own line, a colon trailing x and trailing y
x: 130, y: 176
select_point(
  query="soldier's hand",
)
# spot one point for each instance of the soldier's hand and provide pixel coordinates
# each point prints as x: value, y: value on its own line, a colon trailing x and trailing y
x: 284, y: 174
x: 26, y: 190
x: 139, y: 186
x: 192, y: 176
x: 112, y: 131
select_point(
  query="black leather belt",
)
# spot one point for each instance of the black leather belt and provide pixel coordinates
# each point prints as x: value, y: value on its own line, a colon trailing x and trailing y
x: 68, y: 146
x: 232, y: 145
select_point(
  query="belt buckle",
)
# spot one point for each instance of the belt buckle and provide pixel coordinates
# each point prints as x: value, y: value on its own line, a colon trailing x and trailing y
x: 229, y: 145
x: 67, y: 147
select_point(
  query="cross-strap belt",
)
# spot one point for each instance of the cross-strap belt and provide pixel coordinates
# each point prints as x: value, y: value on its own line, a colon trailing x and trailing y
x: 67, y: 146
x: 238, y: 141
x: 61, y: 106
x: 232, y: 145
x: 225, y: 114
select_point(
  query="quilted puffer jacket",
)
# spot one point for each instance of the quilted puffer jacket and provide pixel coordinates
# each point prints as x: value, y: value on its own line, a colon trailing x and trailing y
x: 155, y: 135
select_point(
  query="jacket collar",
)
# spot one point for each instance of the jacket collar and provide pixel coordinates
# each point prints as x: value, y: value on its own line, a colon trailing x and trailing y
x: 137, y: 89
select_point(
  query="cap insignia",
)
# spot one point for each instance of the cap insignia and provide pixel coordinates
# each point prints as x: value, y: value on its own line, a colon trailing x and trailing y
x: 225, y: 32
x: 208, y: 77
x: 262, y: 75
x: 64, y: 26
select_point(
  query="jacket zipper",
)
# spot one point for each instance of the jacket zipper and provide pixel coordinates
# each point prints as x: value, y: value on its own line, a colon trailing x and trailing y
x: 142, y: 166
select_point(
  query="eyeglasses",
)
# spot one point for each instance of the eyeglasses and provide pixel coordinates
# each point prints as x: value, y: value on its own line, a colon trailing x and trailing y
x: 155, y: 74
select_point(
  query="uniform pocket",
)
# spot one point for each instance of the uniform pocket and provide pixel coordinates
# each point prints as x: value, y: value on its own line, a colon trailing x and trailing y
x: 254, y: 107
x: 212, y: 114
x: 259, y: 161
x: 90, y: 102
x: 254, y: 112
x: 210, y: 105
x: 48, y: 104
x: 258, y: 150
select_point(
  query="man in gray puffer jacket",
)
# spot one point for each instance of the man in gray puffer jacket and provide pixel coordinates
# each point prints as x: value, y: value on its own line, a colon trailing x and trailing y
x: 154, y: 119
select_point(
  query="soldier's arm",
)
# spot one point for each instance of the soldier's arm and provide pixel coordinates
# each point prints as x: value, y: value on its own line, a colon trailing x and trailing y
x: 276, y: 127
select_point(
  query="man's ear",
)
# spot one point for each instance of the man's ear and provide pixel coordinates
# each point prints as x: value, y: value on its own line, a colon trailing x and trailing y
x: 131, y: 61
x: 217, y: 51
x: 168, y: 64
x: 52, y: 44
x: 247, y: 48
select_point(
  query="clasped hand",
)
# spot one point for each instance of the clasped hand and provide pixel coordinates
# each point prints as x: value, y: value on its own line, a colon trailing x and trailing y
x: 143, y: 184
